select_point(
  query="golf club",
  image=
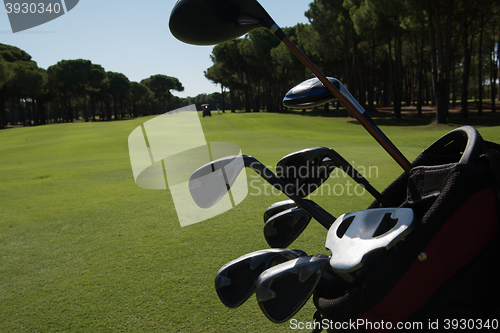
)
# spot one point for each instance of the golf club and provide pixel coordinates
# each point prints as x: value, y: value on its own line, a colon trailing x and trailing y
x: 278, y: 207
x: 235, y: 282
x: 313, y: 92
x: 351, y: 239
x: 209, y: 183
x: 208, y: 22
x: 283, y: 228
x: 355, y: 235
x: 304, y: 171
x: 282, y: 290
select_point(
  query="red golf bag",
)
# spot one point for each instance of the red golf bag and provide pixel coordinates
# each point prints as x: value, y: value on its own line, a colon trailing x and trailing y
x: 445, y: 273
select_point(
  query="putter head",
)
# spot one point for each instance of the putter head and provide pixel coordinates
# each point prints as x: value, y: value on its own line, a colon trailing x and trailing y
x: 209, y: 183
x: 355, y: 235
x: 306, y: 170
x: 210, y: 22
x: 235, y: 282
x: 283, y: 228
x: 283, y: 290
x: 278, y: 207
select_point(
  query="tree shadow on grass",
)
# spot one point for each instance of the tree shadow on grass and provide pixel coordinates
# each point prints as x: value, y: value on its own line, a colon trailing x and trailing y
x: 410, y: 117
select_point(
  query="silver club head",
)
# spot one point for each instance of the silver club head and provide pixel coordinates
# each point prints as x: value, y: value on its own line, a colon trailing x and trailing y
x: 354, y: 235
x: 235, y: 282
x: 283, y: 290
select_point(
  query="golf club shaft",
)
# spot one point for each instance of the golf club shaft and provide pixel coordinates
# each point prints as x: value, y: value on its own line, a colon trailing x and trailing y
x: 363, y: 118
x: 318, y: 213
x: 358, y: 178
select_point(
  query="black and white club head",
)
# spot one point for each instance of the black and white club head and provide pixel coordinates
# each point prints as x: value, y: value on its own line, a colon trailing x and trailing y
x: 283, y: 290
x: 283, y: 228
x: 354, y: 235
x: 304, y: 171
x: 235, y: 282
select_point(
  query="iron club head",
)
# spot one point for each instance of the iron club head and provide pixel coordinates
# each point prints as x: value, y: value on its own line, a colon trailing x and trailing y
x: 283, y: 290
x: 235, y: 282
x: 278, y: 207
x: 305, y: 170
x: 284, y: 227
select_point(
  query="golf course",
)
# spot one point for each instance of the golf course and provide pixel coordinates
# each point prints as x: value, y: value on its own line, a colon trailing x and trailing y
x: 84, y: 249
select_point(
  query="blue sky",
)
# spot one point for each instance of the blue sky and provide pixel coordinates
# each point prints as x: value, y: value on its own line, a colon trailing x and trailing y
x: 131, y: 37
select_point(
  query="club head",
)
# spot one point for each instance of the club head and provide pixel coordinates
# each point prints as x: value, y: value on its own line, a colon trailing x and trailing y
x: 304, y: 171
x: 235, y: 282
x: 312, y: 93
x: 209, y: 183
x: 210, y: 22
x: 283, y: 290
x: 278, y: 207
x: 283, y: 228
x: 309, y: 94
x: 355, y: 235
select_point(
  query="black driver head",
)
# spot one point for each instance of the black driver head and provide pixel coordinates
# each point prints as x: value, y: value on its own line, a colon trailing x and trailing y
x: 235, y: 282
x: 210, y: 22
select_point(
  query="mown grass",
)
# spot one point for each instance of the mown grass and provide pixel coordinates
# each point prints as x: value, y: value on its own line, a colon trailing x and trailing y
x: 83, y: 249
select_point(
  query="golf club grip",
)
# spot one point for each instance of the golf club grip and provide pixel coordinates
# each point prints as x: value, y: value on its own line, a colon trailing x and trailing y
x: 375, y: 132
x: 322, y: 216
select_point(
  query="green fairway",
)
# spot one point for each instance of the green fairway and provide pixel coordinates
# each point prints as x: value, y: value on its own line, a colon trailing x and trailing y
x: 83, y: 248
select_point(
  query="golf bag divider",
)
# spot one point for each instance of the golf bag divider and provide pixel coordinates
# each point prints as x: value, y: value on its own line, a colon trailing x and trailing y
x: 448, y: 266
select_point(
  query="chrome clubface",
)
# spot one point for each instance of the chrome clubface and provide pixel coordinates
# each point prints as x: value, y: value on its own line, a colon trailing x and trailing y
x: 282, y: 290
x: 209, y: 183
x: 210, y: 22
x: 278, y: 207
x: 305, y: 171
x: 283, y: 228
x: 354, y: 235
x: 235, y: 282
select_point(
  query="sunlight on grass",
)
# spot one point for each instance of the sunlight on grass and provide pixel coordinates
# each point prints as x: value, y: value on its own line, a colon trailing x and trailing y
x: 82, y: 248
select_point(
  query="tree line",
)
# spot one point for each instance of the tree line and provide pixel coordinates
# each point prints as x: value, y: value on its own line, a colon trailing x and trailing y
x: 76, y: 89
x: 387, y: 53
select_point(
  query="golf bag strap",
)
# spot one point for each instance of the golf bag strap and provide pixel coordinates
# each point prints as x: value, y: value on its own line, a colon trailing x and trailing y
x: 458, y: 242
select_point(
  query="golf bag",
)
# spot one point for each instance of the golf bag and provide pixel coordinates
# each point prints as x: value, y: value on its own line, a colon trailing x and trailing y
x: 445, y: 272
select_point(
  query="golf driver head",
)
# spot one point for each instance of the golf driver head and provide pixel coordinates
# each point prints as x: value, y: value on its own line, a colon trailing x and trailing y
x: 210, y: 22
x: 283, y: 290
x: 235, y: 282
x: 304, y: 171
x: 283, y: 228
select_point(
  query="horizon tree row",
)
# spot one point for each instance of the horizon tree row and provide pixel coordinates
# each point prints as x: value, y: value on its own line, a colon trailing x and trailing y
x: 76, y: 89
x: 387, y: 53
